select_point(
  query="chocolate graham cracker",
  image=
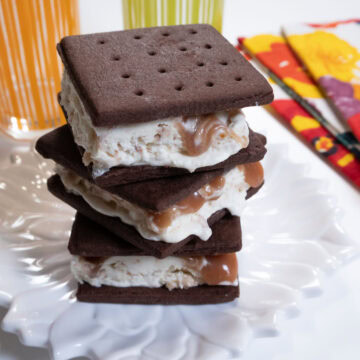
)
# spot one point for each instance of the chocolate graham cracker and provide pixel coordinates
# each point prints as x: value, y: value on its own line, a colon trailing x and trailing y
x: 141, y: 75
x: 158, y: 249
x: 203, y: 294
x: 89, y: 239
x: 59, y: 146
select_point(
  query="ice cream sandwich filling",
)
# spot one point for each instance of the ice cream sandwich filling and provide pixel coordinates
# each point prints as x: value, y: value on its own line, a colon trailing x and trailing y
x: 187, y: 217
x: 172, y: 272
x: 182, y: 142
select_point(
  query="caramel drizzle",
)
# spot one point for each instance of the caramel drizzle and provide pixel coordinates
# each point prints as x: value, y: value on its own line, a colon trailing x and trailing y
x: 254, y: 177
x: 190, y: 204
x: 198, y: 139
x: 217, y: 268
x: 253, y: 172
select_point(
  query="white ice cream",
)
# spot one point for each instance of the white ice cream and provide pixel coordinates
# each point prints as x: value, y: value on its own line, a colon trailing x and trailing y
x: 125, y: 271
x: 232, y: 197
x: 155, y: 143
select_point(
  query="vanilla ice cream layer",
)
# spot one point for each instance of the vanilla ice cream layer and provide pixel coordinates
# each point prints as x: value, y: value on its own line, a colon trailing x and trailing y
x: 155, y: 143
x: 172, y: 272
x: 230, y: 196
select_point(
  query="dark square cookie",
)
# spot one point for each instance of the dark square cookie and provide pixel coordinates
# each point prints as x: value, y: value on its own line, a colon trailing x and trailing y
x: 198, y: 295
x: 90, y: 239
x: 140, y: 75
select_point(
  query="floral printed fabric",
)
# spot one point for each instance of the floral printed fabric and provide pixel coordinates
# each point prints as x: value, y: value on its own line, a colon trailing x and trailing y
x: 276, y: 55
x: 331, y: 53
x: 273, y: 52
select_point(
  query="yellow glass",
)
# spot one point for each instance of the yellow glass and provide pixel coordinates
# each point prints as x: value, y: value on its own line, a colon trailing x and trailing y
x: 30, y: 70
x: 146, y: 13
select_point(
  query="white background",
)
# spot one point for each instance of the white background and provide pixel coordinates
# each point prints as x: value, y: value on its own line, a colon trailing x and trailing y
x: 328, y: 327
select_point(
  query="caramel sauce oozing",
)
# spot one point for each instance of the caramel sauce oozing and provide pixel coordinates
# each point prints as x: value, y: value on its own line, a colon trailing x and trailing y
x: 190, y: 204
x: 253, y: 172
x: 198, y: 139
x: 211, y: 191
x: 217, y: 268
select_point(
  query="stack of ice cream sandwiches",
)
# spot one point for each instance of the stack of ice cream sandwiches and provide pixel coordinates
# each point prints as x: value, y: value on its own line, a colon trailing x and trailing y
x: 158, y: 160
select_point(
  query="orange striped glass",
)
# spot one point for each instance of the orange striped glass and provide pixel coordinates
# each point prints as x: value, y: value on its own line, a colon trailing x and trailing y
x: 30, y: 70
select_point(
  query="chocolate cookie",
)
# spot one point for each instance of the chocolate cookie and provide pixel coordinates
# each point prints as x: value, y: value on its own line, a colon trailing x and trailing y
x: 198, y: 295
x: 92, y: 240
x: 140, y: 75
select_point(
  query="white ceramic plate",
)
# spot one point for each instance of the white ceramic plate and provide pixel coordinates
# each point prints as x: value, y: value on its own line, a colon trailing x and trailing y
x: 291, y: 237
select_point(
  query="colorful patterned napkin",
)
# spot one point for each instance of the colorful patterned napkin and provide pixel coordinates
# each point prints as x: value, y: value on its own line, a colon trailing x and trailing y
x: 275, y: 54
x: 272, y: 52
x: 331, y: 53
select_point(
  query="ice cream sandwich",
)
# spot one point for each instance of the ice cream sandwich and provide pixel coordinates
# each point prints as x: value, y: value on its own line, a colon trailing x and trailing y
x: 111, y: 270
x: 164, y: 97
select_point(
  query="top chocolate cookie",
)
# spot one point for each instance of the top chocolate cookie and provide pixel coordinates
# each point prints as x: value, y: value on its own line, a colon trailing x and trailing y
x: 140, y: 75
